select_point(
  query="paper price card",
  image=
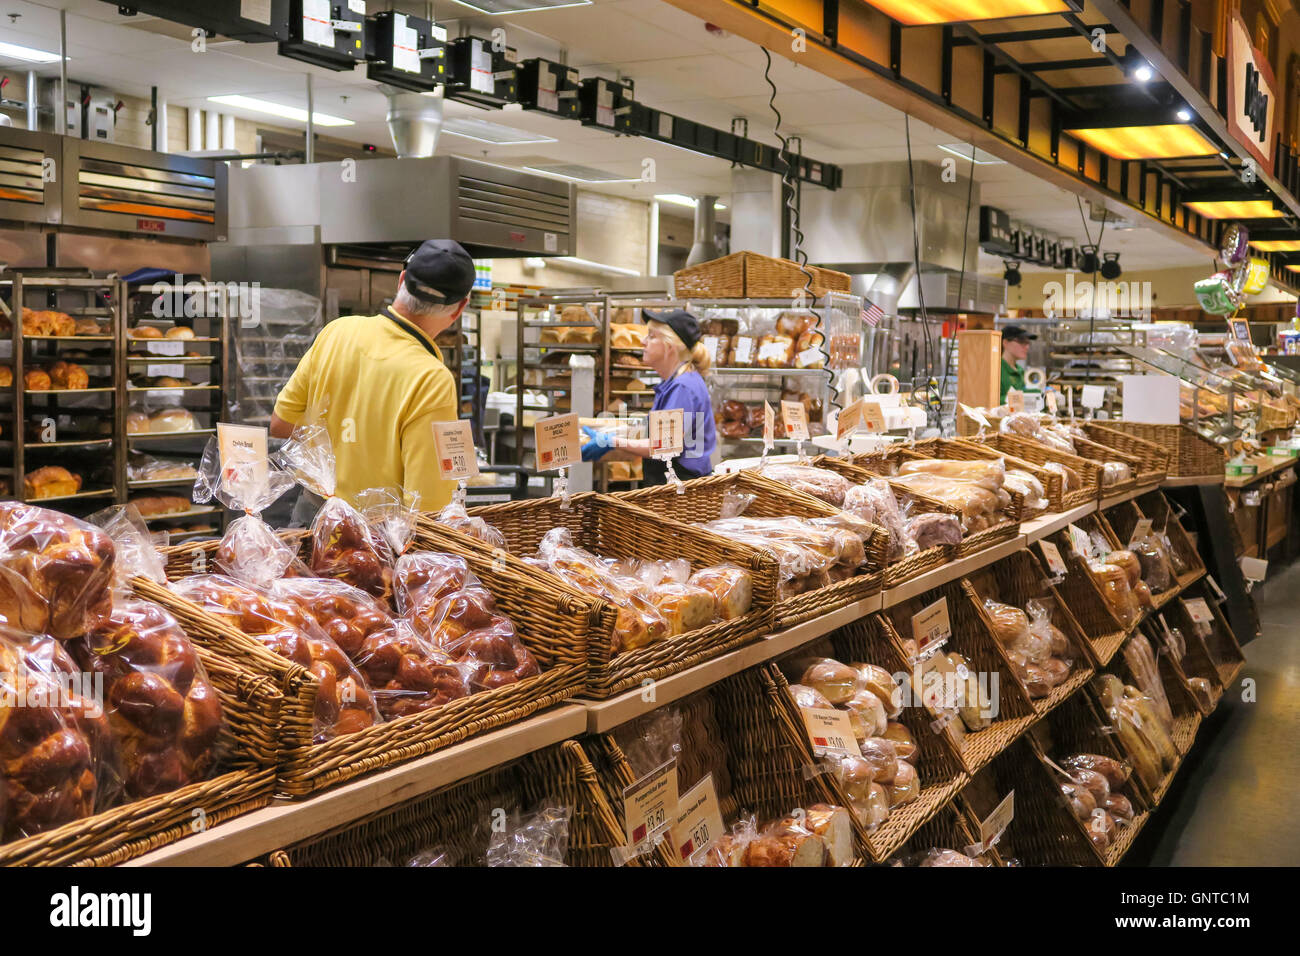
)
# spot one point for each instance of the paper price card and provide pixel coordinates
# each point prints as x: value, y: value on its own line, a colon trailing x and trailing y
x: 795, y: 419
x: 699, y: 821
x: 1078, y: 540
x: 557, y: 442
x: 650, y: 804
x: 1141, y: 530
x: 1052, y: 554
x: 849, y: 421
x: 243, y: 460
x: 931, y: 627
x: 975, y: 414
x: 991, y: 827
x: 1254, y: 569
x: 1050, y: 398
x: 873, y: 417
x: 666, y: 432
x: 455, y: 444
x: 1094, y: 396
x: 1198, y: 611
x: 830, y: 732
x: 769, y: 427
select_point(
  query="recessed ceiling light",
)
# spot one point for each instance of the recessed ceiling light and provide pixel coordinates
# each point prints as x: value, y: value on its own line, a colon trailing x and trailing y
x: 678, y: 199
x: 1184, y: 115
x: 1169, y: 141
x: 1143, y: 73
x: 917, y: 12
x: 495, y: 133
x: 1276, y: 245
x: 581, y: 174
x: 498, y: 7
x: 279, y: 109
x: 981, y: 158
x: 13, y: 51
x: 1235, y: 209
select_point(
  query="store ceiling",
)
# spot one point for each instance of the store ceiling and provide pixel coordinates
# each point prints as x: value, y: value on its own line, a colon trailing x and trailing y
x: 678, y: 64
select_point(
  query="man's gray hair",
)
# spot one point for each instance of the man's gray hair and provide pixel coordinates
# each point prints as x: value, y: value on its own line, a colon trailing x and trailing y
x: 408, y: 304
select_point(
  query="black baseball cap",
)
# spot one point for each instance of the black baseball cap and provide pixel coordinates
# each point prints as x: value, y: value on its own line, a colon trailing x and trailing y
x: 680, y: 321
x: 440, y: 271
x: 1014, y: 333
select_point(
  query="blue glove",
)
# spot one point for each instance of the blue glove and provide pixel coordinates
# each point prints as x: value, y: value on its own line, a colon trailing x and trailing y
x: 597, y: 445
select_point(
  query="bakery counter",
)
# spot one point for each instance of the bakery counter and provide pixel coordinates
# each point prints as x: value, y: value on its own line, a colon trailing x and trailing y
x: 1039, y: 528
x: 1267, y: 465
x: 284, y: 822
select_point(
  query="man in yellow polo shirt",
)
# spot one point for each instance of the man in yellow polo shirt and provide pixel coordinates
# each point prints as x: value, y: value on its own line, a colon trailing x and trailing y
x: 383, y: 382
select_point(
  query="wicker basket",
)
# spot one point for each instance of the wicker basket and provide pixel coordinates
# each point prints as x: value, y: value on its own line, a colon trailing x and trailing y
x: 250, y: 705
x: 1102, y: 454
x: 948, y: 829
x: 557, y: 627
x: 1026, y: 450
x: 1153, y: 460
x: 1016, y: 580
x: 1190, y: 454
x: 754, y: 276
x: 1216, y: 656
x: 1155, y: 505
x: 971, y: 640
x: 1082, y: 595
x: 1122, y: 520
x: 946, y: 448
x: 613, y: 528
x: 459, y: 819
x: 913, y: 565
x: 703, y: 500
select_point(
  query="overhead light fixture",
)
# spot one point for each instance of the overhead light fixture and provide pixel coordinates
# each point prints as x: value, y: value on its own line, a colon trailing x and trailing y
x: 1184, y: 115
x: 1235, y: 209
x: 1011, y: 272
x: 1110, y: 266
x: 14, y: 51
x: 494, y: 133
x: 500, y: 7
x: 580, y: 174
x: 919, y: 12
x: 1136, y: 66
x: 278, y: 109
x: 1170, y: 141
x: 1143, y: 73
x: 1277, y: 245
x: 1088, y: 261
x: 677, y: 199
x: 1294, y: 268
x: 981, y: 158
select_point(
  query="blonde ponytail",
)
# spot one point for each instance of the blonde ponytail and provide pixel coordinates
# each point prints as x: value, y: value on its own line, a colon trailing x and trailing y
x: 701, y: 359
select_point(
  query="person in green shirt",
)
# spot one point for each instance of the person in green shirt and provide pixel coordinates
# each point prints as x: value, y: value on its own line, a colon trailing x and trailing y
x: 1015, y: 350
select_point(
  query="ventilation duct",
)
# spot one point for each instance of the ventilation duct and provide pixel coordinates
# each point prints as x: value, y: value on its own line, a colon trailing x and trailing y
x: 706, y: 227
x: 414, y: 121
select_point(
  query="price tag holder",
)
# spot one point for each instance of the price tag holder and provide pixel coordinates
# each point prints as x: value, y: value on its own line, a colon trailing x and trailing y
x: 976, y: 415
x: 993, y: 826
x: 795, y: 419
x: 650, y: 805
x: 1198, y: 611
x: 1052, y: 555
x: 931, y: 627
x: 1219, y: 596
x: 873, y: 417
x: 769, y: 428
x: 699, y: 821
x: 1050, y: 398
x: 666, y: 433
x: 557, y: 442
x: 830, y: 732
x: 1079, y: 540
x: 1141, y: 530
x: 849, y: 421
x: 243, y: 453
x: 1094, y: 396
x: 934, y: 683
x: 455, y: 444
x: 1254, y: 569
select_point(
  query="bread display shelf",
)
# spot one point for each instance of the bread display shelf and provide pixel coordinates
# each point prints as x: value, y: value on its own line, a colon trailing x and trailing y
x: 171, y: 388
x: 68, y: 443
x: 769, y: 371
x: 1038, y: 528
x: 92, y: 493
x: 69, y: 338
x: 180, y: 434
x: 561, y: 347
x: 171, y: 515
x: 181, y: 360
x: 68, y: 391
x: 142, y: 340
x: 161, y: 482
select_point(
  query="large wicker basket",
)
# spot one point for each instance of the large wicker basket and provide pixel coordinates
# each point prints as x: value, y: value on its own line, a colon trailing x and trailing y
x: 612, y: 528
x: 1190, y: 454
x: 1153, y: 460
x: 250, y: 705
x: 556, y: 625
x: 1156, y: 506
x: 1082, y: 594
x: 754, y: 276
x: 703, y: 500
x: 1089, y: 471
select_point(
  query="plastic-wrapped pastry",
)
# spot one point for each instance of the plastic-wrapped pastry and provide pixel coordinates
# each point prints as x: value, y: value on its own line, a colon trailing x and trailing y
x: 901, y: 738
x: 1024, y: 424
x: 1029, y: 486
x: 906, y: 786
x: 775, y: 351
x: 1115, y: 591
x: 883, y: 758
x: 732, y: 589
x: 1070, y: 478
x: 880, y: 682
x: 934, y: 529
x: 940, y: 857
x: 1114, y: 472
x: 835, y: 681
x: 822, y: 483
x: 987, y: 473
x: 1129, y: 562
x: 875, y: 502
x: 867, y: 715
x: 1115, y: 771
x: 806, y: 698
x: 1200, y: 688
x: 1119, y: 807
x: 455, y: 516
x: 1157, y: 571
x: 1010, y: 624
x: 973, y: 705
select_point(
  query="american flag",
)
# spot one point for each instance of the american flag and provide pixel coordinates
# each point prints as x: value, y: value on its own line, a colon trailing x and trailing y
x: 871, y: 313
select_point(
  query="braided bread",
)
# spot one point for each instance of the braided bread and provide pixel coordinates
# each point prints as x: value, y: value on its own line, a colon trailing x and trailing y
x: 344, y: 546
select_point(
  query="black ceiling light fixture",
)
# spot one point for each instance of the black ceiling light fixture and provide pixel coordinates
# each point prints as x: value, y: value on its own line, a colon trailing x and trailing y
x: 1088, y: 260
x: 1012, y: 272
x: 1136, y: 66
x: 1110, y: 266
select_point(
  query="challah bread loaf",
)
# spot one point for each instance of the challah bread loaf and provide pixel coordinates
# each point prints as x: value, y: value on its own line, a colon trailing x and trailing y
x: 344, y: 546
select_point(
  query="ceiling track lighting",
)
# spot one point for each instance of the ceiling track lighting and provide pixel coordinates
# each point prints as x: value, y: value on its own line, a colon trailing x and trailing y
x: 1088, y: 262
x: 1137, y: 68
x: 1011, y: 273
x: 1110, y: 269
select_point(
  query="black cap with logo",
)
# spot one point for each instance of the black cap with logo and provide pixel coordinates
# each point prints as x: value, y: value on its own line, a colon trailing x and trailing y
x: 680, y: 321
x: 440, y: 272
x: 1014, y: 333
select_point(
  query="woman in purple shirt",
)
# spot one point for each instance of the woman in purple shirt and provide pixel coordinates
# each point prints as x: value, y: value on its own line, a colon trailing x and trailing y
x: 674, y: 350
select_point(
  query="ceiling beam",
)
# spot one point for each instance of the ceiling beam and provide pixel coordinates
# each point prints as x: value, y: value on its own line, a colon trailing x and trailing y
x: 1025, y: 36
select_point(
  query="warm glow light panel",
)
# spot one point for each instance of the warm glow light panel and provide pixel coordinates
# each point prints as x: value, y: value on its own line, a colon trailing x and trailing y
x: 1146, y: 142
x: 917, y: 12
x: 1236, y: 209
x: 1277, y: 245
x: 1294, y: 268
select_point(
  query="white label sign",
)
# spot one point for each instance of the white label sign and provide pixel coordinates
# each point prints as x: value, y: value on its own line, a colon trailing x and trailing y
x: 650, y: 804
x: 1052, y: 554
x: 795, y: 418
x: 1094, y: 396
x: 830, y: 732
x: 1198, y: 611
x: 1141, y: 530
x: 316, y: 26
x: 699, y: 820
x: 666, y: 432
x: 1078, y: 540
x: 975, y: 414
x: 242, y: 450
x: 557, y: 442
x: 992, y: 826
x: 455, y: 444
x: 931, y: 627
x: 1254, y: 569
x: 406, y: 55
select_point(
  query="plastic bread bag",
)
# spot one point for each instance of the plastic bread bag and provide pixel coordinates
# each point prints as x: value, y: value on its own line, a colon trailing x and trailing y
x: 346, y: 614
x: 943, y: 857
x: 407, y: 675
x: 423, y: 578
x: 1202, y: 692
x: 970, y: 499
x: 431, y: 856
x: 1156, y: 569
x: 391, y: 513
x: 165, y: 714
x: 1115, y: 772
x: 492, y: 656
x: 1069, y: 477
x: 1029, y: 486
x: 1040, y: 625
x: 1010, y: 624
x: 987, y: 473
x: 456, y: 517
x: 344, y: 703
x: 973, y: 703
x: 788, y: 842
x: 534, y: 840
x: 1115, y: 591
x: 868, y: 798
x: 850, y: 534
x: 1176, y: 561
x: 686, y: 607
x: 1175, y: 643
x: 874, y: 502
x: 1024, y: 424
x: 136, y: 554
x: 822, y: 483
x: 933, y: 529
x: 346, y: 547
x: 777, y: 539
x: 834, y: 681
x: 56, y: 572
x: 879, y: 682
x: 1141, y: 660
x: 650, y: 741
x: 58, y: 760
x: 730, y: 849
x: 1055, y: 440
x: 1114, y: 472
x: 735, y: 503
x: 1126, y: 723
x: 732, y: 588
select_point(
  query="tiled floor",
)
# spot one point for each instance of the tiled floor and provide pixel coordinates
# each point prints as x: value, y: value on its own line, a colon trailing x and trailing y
x: 1235, y: 799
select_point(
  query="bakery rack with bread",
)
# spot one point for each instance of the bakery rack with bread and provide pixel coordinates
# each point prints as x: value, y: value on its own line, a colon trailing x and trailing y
x: 1103, y: 620
x: 634, y: 642
x: 556, y: 626
x: 1183, y: 553
x: 707, y: 499
x: 1082, y: 479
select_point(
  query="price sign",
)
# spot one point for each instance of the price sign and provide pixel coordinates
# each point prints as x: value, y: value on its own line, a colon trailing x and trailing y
x: 650, y: 804
x: 830, y: 732
x: 1094, y: 396
x: 1052, y: 554
x: 975, y: 414
x: 769, y: 427
x: 1050, y: 398
x: 1198, y: 611
x: 1141, y: 530
x: 873, y: 417
x: 699, y: 820
x: 1078, y: 540
x: 455, y: 444
x: 666, y: 432
x: 992, y: 826
x: 849, y: 421
x: 173, y: 347
x: 935, y: 683
x: 1254, y: 569
x: 795, y: 419
x: 557, y: 442
x: 931, y: 627
x: 242, y: 449
x: 1016, y: 400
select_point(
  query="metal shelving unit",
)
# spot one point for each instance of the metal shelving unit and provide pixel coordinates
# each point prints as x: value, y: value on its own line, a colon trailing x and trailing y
x: 1091, y: 353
